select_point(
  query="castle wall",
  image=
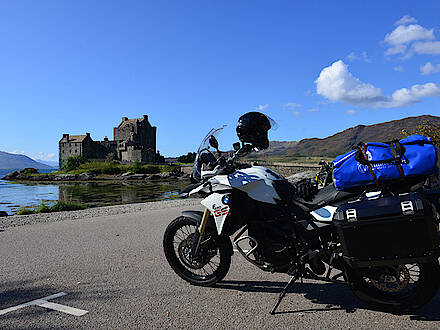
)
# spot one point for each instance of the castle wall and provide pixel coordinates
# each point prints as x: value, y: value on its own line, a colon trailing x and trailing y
x: 134, y: 140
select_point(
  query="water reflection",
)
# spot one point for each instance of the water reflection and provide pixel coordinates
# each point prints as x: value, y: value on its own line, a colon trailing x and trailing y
x: 99, y: 194
x: 15, y: 195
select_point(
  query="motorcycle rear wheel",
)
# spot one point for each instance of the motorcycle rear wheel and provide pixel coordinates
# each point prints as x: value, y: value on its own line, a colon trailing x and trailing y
x: 215, y: 254
x: 401, y: 288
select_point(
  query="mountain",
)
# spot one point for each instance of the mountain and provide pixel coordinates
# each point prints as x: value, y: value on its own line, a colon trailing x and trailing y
x: 342, y: 142
x: 13, y: 161
x: 51, y: 163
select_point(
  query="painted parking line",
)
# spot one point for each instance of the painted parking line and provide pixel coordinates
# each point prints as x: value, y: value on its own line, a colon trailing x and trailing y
x: 43, y: 302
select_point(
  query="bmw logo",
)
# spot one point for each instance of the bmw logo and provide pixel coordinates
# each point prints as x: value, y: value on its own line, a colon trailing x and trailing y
x: 226, y: 199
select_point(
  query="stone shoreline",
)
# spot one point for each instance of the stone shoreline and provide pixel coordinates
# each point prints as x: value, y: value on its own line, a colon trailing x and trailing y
x: 17, y: 176
x: 21, y: 220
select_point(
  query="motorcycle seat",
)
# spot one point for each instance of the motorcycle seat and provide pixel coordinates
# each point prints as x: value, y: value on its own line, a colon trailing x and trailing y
x: 330, y: 195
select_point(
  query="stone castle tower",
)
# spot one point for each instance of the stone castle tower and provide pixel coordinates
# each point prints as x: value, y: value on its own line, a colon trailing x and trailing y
x: 134, y: 140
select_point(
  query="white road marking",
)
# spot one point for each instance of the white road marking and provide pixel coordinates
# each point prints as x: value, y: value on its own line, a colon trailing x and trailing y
x: 43, y: 302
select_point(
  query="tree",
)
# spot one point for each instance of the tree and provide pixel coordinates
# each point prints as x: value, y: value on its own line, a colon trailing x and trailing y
x: 188, y: 158
x: 73, y: 162
x: 427, y: 129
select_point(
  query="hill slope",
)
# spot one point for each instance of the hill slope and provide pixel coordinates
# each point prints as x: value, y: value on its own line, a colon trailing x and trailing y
x: 13, y: 161
x: 343, y: 141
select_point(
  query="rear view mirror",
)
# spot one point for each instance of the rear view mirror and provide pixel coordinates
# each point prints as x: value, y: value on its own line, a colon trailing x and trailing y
x: 213, y: 142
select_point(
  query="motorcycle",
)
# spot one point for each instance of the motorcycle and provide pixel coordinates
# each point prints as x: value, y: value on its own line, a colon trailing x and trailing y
x: 382, y: 243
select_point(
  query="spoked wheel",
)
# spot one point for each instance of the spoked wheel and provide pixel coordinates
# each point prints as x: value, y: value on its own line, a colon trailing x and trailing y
x: 212, y: 263
x: 397, y: 288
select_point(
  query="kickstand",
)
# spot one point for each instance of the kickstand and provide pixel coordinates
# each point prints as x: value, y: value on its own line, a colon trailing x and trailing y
x: 283, y: 293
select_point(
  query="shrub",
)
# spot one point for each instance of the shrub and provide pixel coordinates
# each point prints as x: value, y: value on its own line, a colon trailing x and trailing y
x: 29, y: 170
x: 67, y: 206
x: 74, y: 162
x: 59, y: 206
x: 426, y: 129
x: 188, y: 158
x: 136, y: 167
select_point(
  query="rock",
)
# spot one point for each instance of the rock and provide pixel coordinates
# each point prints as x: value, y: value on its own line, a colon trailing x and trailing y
x: 136, y: 177
x: 300, y: 176
x: 155, y: 177
x: 3, y: 214
x: 65, y: 177
x: 86, y: 176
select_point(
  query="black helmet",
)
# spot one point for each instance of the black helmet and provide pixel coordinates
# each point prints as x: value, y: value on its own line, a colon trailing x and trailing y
x: 252, y: 128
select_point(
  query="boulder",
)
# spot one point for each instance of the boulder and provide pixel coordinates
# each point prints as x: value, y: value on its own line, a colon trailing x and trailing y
x: 126, y: 174
x: 86, y: 176
x: 300, y: 176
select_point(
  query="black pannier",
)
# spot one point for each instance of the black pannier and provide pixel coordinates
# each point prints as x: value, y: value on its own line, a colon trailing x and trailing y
x: 387, y: 230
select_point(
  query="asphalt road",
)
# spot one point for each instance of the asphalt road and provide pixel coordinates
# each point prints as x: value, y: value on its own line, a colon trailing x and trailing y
x: 114, y: 268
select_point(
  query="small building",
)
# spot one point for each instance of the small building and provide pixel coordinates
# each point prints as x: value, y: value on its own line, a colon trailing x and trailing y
x: 134, y: 140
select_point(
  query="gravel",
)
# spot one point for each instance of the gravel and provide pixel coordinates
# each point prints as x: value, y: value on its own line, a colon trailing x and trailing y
x: 21, y: 220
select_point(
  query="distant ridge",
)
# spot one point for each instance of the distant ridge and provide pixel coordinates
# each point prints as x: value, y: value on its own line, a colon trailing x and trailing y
x: 343, y: 141
x: 14, y: 161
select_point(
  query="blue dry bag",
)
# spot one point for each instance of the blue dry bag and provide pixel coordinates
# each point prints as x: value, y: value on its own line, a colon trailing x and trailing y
x: 376, y: 163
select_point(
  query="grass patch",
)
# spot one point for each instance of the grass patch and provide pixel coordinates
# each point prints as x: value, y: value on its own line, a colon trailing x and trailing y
x: 112, y: 168
x: 44, y: 208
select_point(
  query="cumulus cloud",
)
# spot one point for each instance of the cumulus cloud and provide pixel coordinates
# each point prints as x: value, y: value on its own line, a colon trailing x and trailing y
x: 429, y: 68
x: 261, y: 107
x: 337, y: 84
x: 427, y: 47
x: 350, y: 112
x: 402, y: 35
x: 399, y: 68
x: 406, y: 19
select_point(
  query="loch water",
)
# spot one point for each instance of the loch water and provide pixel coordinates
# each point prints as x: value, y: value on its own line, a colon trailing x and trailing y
x: 14, y: 195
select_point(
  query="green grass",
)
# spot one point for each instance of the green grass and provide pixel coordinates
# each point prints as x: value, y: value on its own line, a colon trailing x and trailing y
x: 112, y: 168
x: 44, y: 208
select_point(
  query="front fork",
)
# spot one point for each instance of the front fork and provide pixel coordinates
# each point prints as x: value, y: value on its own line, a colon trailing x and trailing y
x: 198, y: 235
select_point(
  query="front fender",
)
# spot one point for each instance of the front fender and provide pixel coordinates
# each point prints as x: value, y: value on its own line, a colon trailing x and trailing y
x: 197, y: 216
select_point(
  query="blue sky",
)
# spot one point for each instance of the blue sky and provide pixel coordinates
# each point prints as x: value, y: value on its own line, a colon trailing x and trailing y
x: 316, y: 67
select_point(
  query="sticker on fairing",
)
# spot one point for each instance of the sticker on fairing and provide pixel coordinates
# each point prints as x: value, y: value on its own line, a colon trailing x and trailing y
x: 217, y: 208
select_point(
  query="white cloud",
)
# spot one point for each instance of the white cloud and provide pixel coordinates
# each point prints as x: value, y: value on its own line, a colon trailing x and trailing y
x: 363, y: 57
x: 351, y: 57
x: 292, y: 105
x: 427, y: 47
x: 399, y: 68
x: 429, y: 68
x: 406, y: 19
x: 402, y: 35
x: 296, y: 113
x: 337, y: 84
x: 262, y: 107
x: 350, y: 112
x: 17, y: 152
x: 313, y: 110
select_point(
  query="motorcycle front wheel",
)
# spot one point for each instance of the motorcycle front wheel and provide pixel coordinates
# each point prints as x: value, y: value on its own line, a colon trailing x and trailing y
x: 398, y: 288
x: 214, y: 259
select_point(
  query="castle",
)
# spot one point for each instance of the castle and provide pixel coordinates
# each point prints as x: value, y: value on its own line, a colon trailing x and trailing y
x: 134, y: 140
